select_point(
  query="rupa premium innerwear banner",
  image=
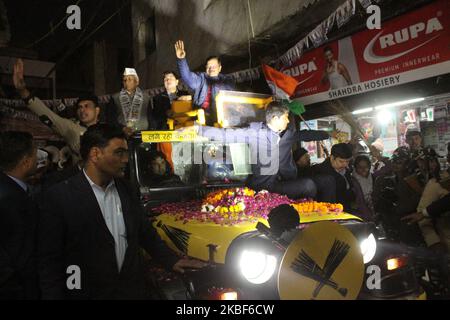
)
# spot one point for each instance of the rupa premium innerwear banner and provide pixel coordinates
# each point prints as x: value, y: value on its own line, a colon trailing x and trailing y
x: 408, y: 48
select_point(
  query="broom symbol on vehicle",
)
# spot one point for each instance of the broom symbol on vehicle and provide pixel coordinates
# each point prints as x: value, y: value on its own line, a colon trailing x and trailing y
x: 307, y: 267
x: 179, y: 238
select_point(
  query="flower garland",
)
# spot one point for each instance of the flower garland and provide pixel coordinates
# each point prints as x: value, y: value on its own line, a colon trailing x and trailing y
x: 226, y: 207
x: 317, y: 207
x: 237, y: 205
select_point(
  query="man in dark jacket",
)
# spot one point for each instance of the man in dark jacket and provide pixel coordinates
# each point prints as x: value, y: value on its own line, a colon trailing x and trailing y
x: 394, y: 198
x: 18, y: 217
x: 337, y: 167
x: 162, y: 102
x: 271, y: 145
x: 326, y: 190
x: 206, y: 85
x: 92, y: 228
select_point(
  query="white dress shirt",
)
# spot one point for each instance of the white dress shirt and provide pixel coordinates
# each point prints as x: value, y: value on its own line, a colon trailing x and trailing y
x: 109, y: 201
x: 21, y: 184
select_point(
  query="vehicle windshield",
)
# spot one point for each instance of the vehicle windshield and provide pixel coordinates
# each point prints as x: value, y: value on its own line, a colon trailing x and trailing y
x: 174, y: 164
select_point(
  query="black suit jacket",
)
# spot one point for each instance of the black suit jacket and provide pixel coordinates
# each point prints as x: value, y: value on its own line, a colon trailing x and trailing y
x: 161, y: 104
x: 56, y: 177
x: 437, y: 208
x: 18, y: 226
x: 343, y: 195
x: 73, y: 232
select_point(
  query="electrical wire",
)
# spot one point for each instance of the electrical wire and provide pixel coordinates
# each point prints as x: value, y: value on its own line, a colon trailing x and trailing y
x: 249, y: 43
x: 52, y: 29
x: 250, y: 17
x: 76, y: 46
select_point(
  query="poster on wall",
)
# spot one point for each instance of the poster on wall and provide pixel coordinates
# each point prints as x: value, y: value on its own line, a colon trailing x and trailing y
x: 381, y: 129
x: 409, y: 119
x: 408, y: 48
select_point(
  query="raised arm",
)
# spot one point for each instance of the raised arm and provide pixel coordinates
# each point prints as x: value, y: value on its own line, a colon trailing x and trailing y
x: 18, y: 80
x: 60, y: 124
x: 191, y: 79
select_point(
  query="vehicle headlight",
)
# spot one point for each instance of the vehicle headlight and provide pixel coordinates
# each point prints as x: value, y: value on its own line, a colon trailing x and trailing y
x: 368, y: 248
x: 257, y: 267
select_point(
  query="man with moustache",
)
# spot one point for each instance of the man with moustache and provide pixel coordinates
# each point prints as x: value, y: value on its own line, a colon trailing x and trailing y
x: 205, y: 85
x: 93, y: 224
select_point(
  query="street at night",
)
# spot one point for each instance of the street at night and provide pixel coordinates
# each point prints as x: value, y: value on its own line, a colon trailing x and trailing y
x: 244, y: 150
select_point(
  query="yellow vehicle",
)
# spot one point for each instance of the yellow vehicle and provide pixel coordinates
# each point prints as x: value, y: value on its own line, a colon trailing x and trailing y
x: 202, y: 235
x: 198, y: 167
x: 222, y: 245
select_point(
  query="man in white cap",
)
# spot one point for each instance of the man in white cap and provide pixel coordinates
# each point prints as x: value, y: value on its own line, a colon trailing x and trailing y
x: 130, y: 108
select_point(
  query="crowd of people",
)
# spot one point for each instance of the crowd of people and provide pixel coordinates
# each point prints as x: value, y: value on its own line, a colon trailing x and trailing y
x: 87, y: 216
x: 407, y: 194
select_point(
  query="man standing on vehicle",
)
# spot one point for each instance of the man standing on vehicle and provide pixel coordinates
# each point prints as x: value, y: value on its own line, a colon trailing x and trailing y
x: 130, y: 108
x: 206, y: 85
x: 270, y: 146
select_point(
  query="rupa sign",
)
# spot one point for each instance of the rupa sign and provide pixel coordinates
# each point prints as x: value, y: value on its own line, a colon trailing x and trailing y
x: 407, y: 48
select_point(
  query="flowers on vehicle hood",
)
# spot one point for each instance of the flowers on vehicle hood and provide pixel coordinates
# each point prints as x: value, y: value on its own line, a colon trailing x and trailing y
x: 237, y: 205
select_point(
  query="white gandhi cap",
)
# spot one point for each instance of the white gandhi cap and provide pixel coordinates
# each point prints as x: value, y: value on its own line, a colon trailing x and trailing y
x: 130, y: 72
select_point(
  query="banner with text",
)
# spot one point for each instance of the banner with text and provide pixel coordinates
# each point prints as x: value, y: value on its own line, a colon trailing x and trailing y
x: 408, y: 48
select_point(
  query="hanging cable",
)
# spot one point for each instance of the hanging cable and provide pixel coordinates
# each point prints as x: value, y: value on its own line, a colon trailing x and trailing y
x: 249, y: 43
x: 76, y: 46
x: 52, y: 29
x: 251, y: 19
